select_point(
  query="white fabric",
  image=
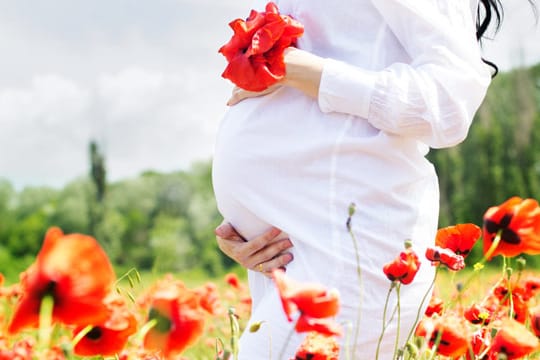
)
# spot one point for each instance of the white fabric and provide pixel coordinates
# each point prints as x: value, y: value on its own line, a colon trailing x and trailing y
x: 400, y: 76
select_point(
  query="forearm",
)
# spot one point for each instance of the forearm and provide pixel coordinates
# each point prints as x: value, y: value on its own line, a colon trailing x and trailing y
x: 303, y: 71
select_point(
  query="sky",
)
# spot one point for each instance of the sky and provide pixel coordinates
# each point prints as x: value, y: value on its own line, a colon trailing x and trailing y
x: 142, y: 78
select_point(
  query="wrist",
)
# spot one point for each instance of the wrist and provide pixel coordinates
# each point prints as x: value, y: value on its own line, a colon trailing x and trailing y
x: 303, y: 71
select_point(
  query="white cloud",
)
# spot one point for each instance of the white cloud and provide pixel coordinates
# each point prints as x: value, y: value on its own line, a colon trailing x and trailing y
x: 41, y: 125
x: 144, y: 119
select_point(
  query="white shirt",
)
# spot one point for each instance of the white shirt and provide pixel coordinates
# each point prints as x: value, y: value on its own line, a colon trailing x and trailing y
x: 400, y: 76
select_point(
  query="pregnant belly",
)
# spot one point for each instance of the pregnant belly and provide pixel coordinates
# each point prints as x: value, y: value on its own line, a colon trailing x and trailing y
x: 279, y: 157
x: 281, y: 136
x: 271, y: 153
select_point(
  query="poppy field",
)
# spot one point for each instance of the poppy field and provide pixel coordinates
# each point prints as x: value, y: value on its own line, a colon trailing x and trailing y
x: 70, y: 304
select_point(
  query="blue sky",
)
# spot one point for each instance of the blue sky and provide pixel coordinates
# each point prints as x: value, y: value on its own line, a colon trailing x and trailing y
x: 141, y: 77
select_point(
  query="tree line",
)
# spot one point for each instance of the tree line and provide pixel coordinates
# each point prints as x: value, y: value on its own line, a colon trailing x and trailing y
x: 165, y: 221
x: 155, y: 221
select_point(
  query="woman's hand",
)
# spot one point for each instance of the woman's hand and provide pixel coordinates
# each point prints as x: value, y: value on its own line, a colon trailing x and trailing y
x: 262, y: 253
x: 239, y: 94
x: 303, y: 72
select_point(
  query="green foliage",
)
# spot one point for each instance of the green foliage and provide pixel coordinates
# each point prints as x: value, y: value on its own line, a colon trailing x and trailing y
x: 160, y: 222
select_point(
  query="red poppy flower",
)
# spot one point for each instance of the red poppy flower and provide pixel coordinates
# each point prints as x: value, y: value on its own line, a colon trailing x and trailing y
x: 255, y: 51
x: 459, y: 238
x: 447, y: 257
x: 209, y: 298
x: 311, y: 300
x: 22, y: 349
x: 318, y: 347
x: 518, y: 221
x: 513, y: 340
x: 535, y: 320
x: 521, y: 309
x: 75, y: 271
x: 232, y: 279
x: 109, y: 338
x: 517, y: 294
x: 532, y: 286
x: 435, y: 306
x: 479, y: 314
x: 179, y: 321
x: 480, y: 341
x: 449, y: 334
x: 403, y: 268
x: 322, y: 326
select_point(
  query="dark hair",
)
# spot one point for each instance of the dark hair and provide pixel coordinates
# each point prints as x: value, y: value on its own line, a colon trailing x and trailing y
x: 487, y: 11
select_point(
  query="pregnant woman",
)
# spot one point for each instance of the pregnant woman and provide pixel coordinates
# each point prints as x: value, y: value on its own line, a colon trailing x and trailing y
x: 369, y: 88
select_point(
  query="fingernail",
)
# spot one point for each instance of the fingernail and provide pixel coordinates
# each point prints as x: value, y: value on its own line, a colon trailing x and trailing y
x: 220, y: 230
x: 289, y: 257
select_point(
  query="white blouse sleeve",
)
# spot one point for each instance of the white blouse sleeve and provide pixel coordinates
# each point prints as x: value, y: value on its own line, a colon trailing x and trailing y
x: 434, y: 97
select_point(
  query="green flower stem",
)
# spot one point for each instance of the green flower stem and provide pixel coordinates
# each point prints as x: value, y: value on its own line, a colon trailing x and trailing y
x: 396, y: 345
x: 80, y: 335
x: 45, y: 321
x: 418, y: 313
x: 235, y: 333
x: 507, y: 275
x: 493, y: 246
x: 392, y: 285
x: 435, y: 346
x: 359, y: 272
x: 145, y: 329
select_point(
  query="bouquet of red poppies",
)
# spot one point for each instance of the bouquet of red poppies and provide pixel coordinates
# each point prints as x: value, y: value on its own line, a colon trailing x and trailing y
x: 255, y: 51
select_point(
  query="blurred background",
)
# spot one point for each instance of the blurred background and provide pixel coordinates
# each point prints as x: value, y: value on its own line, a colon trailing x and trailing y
x: 109, y: 109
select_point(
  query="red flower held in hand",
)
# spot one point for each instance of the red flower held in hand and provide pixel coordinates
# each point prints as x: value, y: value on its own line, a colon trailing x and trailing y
x: 109, y: 338
x: 518, y: 221
x: 403, y: 268
x: 255, y: 51
x: 447, y: 257
x: 72, y: 269
x: 459, y: 238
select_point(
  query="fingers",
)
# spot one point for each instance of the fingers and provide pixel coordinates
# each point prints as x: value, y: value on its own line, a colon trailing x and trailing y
x: 260, y: 242
x: 278, y: 262
x: 239, y: 94
x: 262, y: 253
x: 227, y: 231
x: 272, y: 255
x: 261, y: 248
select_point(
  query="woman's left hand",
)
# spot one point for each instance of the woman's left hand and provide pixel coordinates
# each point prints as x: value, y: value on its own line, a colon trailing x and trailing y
x: 239, y: 94
x: 303, y: 72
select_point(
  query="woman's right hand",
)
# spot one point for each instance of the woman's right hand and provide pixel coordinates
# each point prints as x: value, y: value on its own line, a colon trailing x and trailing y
x: 263, y: 253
